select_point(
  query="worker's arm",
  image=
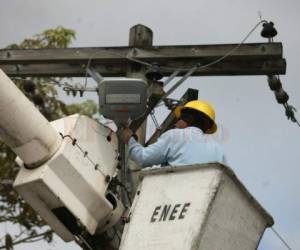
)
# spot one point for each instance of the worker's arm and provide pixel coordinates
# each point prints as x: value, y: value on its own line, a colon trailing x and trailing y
x: 154, y: 154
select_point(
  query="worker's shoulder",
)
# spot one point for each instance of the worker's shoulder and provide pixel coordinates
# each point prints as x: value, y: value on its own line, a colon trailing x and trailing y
x: 183, y: 133
x: 193, y: 131
x: 172, y: 132
x: 214, y: 143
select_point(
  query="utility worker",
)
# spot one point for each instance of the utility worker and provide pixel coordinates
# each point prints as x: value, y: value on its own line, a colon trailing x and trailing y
x: 184, y: 145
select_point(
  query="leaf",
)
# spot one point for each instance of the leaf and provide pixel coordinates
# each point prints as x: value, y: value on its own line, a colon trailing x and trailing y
x: 49, y: 89
x: 88, y: 108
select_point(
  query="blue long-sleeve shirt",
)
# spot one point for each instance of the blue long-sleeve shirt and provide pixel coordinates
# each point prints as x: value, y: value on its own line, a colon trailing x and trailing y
x: 177, y: 147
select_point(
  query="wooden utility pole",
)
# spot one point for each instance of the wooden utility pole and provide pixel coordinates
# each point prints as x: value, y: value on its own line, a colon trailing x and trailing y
x: 141, y: 37
x: 133, y: 61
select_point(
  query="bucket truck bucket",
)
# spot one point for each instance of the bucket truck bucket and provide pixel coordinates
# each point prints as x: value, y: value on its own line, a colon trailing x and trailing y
x: 69, y: 191
x: 191, y: 208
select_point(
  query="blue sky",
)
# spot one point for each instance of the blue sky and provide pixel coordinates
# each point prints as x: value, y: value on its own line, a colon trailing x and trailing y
x: 261, y: 146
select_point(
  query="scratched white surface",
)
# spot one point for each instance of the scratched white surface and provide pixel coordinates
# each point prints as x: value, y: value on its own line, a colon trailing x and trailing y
x: 220, y: 215
x: 196, y: 187
x: 69, y: 179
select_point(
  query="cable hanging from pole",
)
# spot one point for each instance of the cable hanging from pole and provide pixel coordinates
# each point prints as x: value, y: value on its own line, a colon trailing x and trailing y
x: 129, y: 56
x: 190, y: 71
x: 86, y: 155
x: 133, y: 59
x: 281, y: 238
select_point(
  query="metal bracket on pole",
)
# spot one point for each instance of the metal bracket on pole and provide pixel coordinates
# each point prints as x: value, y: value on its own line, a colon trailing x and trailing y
x: 177, y: 84
x: 154, y: 119
x: 94, y: 74
x: 171, y: 77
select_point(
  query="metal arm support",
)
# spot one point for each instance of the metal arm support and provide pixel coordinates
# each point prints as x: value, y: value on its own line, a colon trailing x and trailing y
x: 94, y: 74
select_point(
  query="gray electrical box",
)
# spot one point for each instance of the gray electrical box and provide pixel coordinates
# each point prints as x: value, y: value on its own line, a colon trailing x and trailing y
x: 121, y: 99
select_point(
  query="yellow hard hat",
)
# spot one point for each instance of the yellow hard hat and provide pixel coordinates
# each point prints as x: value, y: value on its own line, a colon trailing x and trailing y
x: 202, y: 107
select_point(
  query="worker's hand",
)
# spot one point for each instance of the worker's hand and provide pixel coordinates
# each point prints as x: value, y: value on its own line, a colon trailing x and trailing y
x: 126, y: 133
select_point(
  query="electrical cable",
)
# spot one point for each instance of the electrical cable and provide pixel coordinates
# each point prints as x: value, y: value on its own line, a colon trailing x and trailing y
x: 66, y: 86
x: 86, y: 71
x: 197, y: 66
x: 123, y: 173
x: 289, y: 112
x: 223, y: 57
x: 235, y: 48
x: 177, y: 84
x: 171, y: 77
x: 131, y: 58
x: 281, y: 238
x: 154, y: 119
x: 85, y: 153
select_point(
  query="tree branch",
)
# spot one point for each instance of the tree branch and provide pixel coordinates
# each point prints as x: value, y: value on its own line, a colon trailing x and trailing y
x: 28, y: 239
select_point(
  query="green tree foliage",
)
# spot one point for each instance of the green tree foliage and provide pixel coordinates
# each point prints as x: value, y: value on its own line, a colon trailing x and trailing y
x: 43, y: 93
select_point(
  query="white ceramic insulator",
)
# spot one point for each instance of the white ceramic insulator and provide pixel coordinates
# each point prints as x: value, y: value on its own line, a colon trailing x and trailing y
x: 23, y: 128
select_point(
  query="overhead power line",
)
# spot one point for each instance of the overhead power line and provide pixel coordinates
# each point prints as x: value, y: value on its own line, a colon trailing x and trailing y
x: 281, y: 238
